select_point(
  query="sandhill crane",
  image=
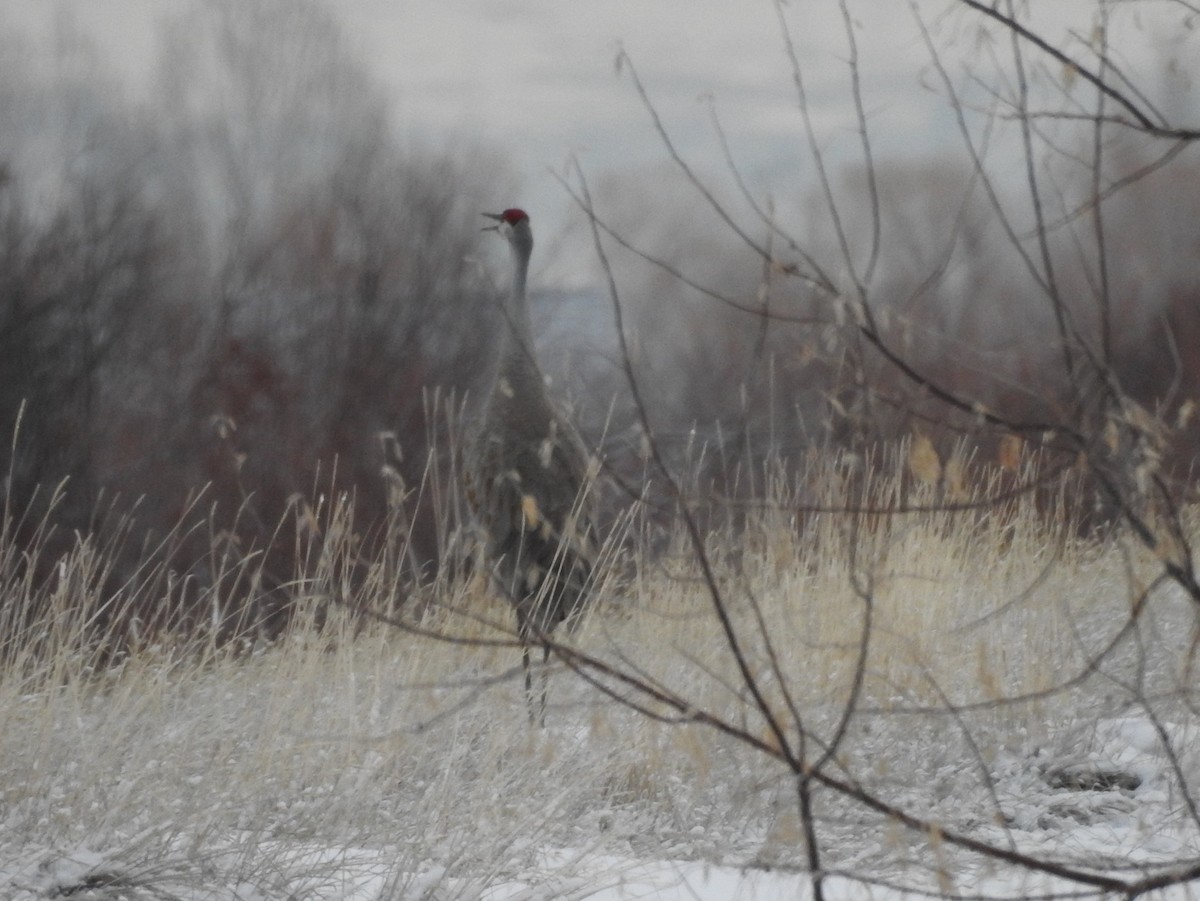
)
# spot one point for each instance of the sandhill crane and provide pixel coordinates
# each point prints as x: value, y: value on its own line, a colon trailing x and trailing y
x: 527, y: 474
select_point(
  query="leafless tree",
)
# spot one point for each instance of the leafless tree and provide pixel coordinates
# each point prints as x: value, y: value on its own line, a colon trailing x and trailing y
x: 1060, y: 406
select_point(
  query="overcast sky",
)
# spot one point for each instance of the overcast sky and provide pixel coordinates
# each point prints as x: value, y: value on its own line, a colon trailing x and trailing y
x: 536, y: 78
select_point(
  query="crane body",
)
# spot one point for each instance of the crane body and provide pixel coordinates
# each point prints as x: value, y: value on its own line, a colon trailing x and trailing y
x: 527, y: 473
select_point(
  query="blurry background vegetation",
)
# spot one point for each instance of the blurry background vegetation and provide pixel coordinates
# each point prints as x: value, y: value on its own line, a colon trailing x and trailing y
x: 244, y: 287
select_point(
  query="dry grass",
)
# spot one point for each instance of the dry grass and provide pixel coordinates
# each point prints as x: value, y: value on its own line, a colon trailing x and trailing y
x: 969, y: 606
x: 279, y: 765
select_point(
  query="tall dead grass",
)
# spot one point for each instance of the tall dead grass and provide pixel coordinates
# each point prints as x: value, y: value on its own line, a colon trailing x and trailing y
x: 354, y: 752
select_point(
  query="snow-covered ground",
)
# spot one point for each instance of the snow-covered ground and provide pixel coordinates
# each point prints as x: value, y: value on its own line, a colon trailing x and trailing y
x: 1140, y: 825
x: 378, y: 765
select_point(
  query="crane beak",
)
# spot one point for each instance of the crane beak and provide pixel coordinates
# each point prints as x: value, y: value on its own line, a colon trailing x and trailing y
x: 493, y: 228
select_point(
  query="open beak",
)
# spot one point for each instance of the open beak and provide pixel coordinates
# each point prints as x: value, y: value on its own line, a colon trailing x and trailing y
x: 492, y: 228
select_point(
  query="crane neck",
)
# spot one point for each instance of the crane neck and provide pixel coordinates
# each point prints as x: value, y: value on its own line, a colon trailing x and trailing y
x: 518, y: 346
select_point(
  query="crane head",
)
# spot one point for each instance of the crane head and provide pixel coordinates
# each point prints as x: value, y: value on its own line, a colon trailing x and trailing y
x: 512, y: 216
x: 513, y: 224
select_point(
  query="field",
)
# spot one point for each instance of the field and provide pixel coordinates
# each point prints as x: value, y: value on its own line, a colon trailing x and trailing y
x: 889, y: 348
x: 1017, y: 689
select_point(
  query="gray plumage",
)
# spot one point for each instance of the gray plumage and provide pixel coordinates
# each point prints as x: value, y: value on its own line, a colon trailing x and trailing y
x: 527, y: 474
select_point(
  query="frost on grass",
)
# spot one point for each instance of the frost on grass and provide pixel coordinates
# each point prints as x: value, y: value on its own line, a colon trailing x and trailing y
x: 999, y: 700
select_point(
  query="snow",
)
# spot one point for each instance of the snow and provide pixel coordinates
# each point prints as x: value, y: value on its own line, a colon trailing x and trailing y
x: 308, y: 769
x: 1143, y: 825
x: 82, y: 873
